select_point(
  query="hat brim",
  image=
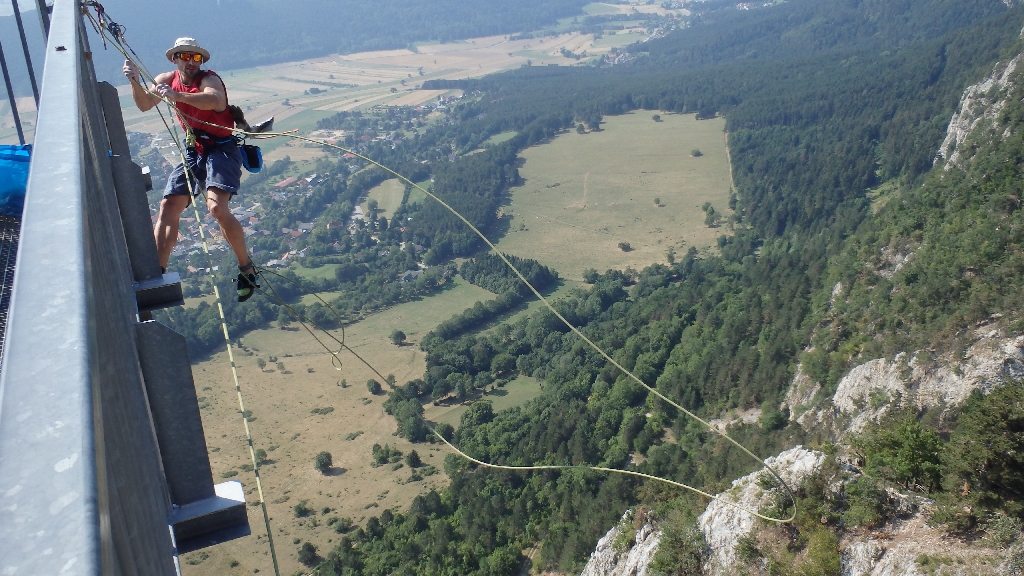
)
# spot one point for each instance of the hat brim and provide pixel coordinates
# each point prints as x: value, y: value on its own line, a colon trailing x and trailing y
x: 199, y: 50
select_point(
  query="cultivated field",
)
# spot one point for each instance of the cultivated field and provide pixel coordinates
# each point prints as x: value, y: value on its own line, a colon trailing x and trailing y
x: 586, y: 193
x: 281, y: 404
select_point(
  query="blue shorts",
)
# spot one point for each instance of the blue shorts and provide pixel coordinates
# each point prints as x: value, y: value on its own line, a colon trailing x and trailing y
x: 219, y: 166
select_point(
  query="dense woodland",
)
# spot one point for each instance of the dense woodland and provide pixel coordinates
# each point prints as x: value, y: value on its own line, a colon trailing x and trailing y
x: 813, y: 128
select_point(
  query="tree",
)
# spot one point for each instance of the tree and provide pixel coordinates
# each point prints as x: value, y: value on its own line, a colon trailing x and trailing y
x: 696, y: 153
x: 657, y: 201
x: 280, y: 366
x: 323, y: 462
x: 397, y: 337
x: 373, y: 386
x: 625, y: 247
x: 656, y: 117
x: 307, y: 555
x: 412, y: 460
x: 581, y: 129
x: 905, y: 453
x: 985, y: 453
x: 713, y: 219
x: 590, y: 276
x: 502, y: 363
x: 261, y: 363
x: 261, y: 455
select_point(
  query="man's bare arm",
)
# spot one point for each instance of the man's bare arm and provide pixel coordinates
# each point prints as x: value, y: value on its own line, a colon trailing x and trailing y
x: 212, y: 97
x: 144, y: 100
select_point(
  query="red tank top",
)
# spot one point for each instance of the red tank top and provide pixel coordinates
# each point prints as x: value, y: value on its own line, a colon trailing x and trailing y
x: 222, y: 118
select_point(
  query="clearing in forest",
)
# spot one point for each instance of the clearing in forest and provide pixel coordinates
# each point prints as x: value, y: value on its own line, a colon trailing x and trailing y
x: 635, y: 182
x: 515, y: 393
x: 388, y: 195
x: 283, y: 423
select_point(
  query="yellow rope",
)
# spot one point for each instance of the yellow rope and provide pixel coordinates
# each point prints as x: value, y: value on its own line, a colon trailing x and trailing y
x: 550, y: 308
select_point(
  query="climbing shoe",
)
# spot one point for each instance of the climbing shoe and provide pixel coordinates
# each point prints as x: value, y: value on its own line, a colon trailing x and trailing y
x: 246, y: 283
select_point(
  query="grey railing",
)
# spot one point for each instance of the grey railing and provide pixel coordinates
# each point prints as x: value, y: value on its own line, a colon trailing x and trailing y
x: 102, y: 457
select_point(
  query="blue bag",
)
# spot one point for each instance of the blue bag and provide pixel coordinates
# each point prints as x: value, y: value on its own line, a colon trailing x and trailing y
x: 14, y: 162
x: 252, y: 158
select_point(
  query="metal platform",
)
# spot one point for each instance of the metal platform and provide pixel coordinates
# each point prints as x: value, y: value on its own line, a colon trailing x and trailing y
x: 10, y: 232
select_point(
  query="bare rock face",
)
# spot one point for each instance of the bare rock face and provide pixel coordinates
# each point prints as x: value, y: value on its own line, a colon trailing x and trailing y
x: 908, y: 547
x: 874, y: 388
x: 800, y: 395
x: 609, y: 560
x: 723, y: 524
x: 975, y: 118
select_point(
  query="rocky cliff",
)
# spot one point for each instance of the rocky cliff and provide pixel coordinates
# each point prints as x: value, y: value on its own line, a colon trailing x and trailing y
x: 626, y: 550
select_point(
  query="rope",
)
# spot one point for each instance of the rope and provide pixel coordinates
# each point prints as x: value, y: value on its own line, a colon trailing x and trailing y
x: 542, y: 299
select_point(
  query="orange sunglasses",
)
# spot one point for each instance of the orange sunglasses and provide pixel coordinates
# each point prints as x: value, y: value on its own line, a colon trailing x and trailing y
x: 187, y: 57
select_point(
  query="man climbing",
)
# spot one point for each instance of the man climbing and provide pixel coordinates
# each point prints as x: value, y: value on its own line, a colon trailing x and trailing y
x: 213, y: 157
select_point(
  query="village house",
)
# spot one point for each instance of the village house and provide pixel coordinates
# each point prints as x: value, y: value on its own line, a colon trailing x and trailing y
x: 409, y: 276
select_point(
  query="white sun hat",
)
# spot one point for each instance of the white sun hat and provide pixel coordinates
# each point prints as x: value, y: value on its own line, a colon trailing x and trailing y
x: 187, y: 45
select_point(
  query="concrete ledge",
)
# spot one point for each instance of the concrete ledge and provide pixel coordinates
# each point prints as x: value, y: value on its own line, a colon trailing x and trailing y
x: 158, y: 293
x: 213, y: 520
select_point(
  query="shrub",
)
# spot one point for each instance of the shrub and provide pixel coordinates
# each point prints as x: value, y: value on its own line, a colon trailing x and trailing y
x: 341, y: 525
x: 323, y: 462
x: 301, y: 510
x: 1002, y: 530
x: 905, y: 453
x: 867, y: 503
x: 307, y: 554
x: 625, y: 247
x: 696, y: 153
x: 385, y: 455
x: 772, y: 418
x: 374, y: 387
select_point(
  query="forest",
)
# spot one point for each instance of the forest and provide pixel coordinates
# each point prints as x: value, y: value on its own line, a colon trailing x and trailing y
x: 813, y: 128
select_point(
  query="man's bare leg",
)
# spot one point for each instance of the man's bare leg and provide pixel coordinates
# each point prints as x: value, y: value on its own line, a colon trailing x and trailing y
x: 166, y: 230
x: 230, y: 227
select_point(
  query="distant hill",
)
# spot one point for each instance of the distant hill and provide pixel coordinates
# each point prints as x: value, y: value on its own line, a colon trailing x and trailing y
x: 14, y: 55
x: 245, y: 33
